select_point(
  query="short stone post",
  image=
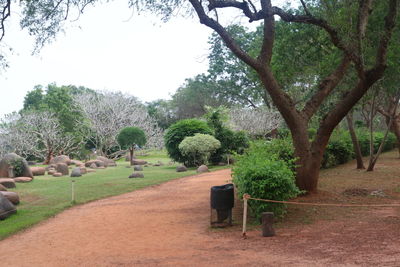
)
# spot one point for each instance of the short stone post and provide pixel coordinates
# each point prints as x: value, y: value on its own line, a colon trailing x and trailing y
x: 11, y: 173
x: 267, y: 219
x: 73, y: 191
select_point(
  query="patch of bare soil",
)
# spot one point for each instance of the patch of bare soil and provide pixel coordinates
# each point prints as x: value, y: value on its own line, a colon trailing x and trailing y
x: 168, y: 225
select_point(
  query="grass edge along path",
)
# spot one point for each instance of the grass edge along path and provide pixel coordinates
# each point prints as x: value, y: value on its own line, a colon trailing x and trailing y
x: 46, y: 196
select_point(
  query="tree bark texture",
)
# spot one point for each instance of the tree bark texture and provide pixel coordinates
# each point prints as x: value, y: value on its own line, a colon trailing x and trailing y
x: 131, y: 149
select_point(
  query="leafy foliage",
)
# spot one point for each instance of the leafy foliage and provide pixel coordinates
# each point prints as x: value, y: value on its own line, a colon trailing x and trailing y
x: 232, y: 142
x: 178, y: 131
x: 198, y: 148
x: 263, y: 175
x: 130, y: 136
x: 163, y: 112
x: 192, y: 98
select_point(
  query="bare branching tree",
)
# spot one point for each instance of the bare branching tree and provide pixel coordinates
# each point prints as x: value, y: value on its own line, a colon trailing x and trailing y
x: 257, y: 122
x: 36, y: 134
x: 108, y: 112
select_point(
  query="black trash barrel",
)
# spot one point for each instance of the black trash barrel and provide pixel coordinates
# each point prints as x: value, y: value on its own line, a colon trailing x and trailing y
x: 222, y: 200
x: 222, y: 197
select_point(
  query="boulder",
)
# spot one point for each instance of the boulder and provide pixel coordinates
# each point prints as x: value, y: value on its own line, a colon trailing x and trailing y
x: 51, y: 166
x: 6, y: 207
x: 61, y: 159
x: 7, y: 182
x: 138, y: 168
x: 90, y: 170
x: 12, y: 196
x: 107, y: 162
x: 181, y: 168
x: 51, y: 171
x: 83, y: 170
x: 76, y: 172
x: 111, y: 163
x: 23, y: 179
x: 62, y: 168
x: 136, y: 175
x: 128, y: 157
x: 77, y: 163
x: 159, y: 163
x: 20, y: 165
x: 57, y: 174
x: 202, y: 168
x: 139, y: 162
x: 2, y: 188
x: 36, y: 171
x: 98, y: 163
x: 102, y: 167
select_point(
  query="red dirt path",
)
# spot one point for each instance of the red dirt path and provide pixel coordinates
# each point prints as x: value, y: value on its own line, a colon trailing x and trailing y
x: 168, y: 225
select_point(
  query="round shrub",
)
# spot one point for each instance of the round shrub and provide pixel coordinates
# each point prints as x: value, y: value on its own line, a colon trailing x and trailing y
x: 198, y: 148
x: 131, y: 136
x: 266, y: 178
x: 178, y: 131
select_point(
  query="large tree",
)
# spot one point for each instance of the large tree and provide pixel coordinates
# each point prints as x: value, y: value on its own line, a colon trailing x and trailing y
x: 106, y: 113
x: 36, y: 133
x: 347, y: 38
x: 346, y: 23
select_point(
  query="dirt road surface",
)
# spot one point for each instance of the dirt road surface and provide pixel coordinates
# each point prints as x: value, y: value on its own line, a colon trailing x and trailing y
x: 168, y: 225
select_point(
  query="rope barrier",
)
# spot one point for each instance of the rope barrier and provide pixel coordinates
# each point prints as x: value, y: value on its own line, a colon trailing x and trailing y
x: 326, y: 204
x: 247, y: 197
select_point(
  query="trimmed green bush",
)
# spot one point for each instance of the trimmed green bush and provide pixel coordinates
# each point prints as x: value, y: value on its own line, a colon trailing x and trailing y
x: 264, y: 176
x: 178, y: 131
x: 198, y: 148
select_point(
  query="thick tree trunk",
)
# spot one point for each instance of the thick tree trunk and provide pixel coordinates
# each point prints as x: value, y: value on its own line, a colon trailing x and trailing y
x: 354, y: 139
x: 309, y: 157
x: 131, y: 149
x: 49, y: 157
x: 307, y: 173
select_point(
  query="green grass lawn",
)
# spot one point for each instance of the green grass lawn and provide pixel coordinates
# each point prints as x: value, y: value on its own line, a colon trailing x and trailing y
x: 46, y: 195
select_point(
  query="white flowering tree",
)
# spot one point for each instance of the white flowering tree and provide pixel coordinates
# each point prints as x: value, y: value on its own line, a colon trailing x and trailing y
x: 106, y: 113
x: 257, y: 122
x: 36, y: 134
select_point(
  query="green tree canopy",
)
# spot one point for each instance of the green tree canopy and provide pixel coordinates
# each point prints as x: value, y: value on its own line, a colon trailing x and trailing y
x: 131, y: 136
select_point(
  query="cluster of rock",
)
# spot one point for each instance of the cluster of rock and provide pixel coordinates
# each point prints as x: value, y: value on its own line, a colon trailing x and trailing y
x: 60, y: 166
x: 13, y: 169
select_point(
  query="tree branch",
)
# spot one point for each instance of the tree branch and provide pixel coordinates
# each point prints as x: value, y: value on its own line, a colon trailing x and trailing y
x: 229, y: 41
x: 5, y: 13
x: 325, y: 88
x: 288, y: 17
x: 305, y: 8
x: 390, y: 23
x: 269, y: 33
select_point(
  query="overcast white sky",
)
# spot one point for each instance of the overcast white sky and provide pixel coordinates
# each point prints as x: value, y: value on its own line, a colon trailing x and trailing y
x: 107, y: 49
